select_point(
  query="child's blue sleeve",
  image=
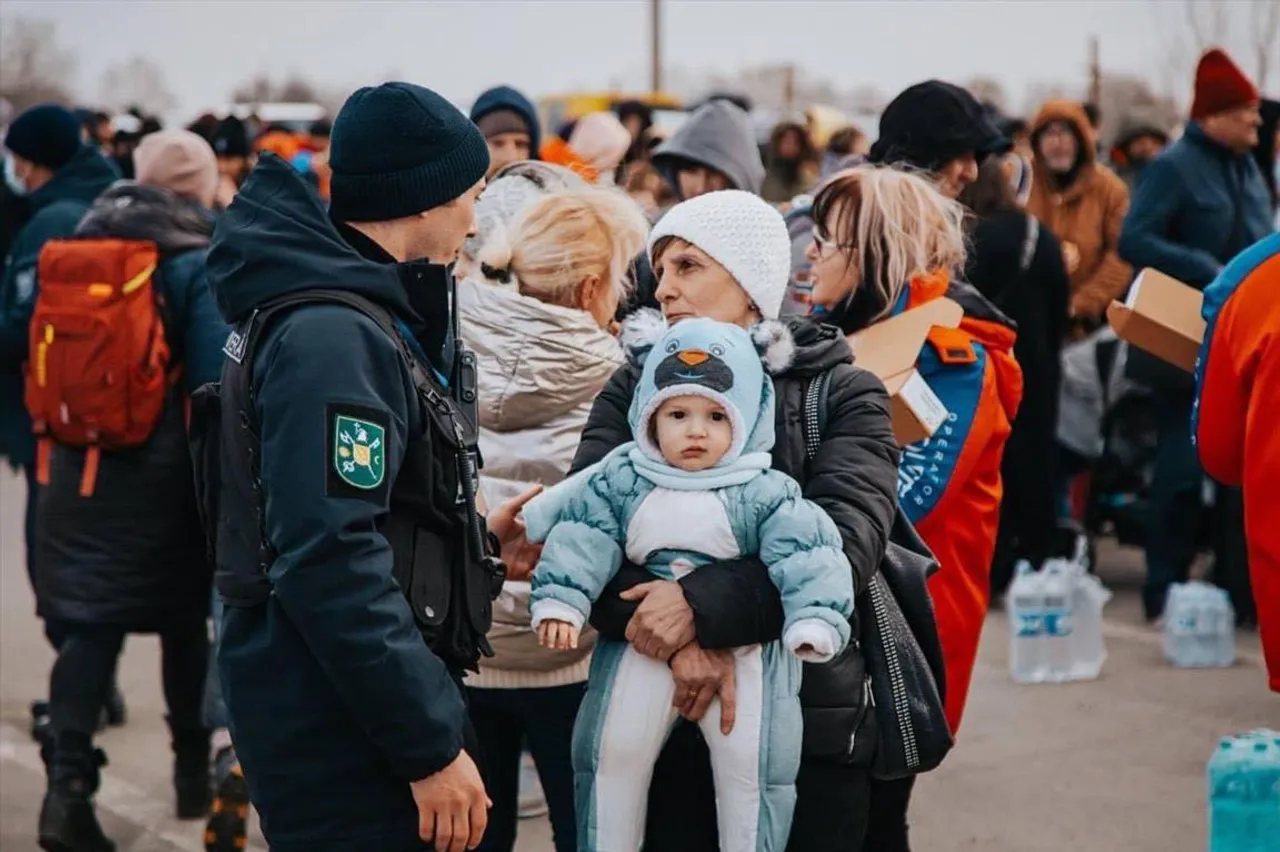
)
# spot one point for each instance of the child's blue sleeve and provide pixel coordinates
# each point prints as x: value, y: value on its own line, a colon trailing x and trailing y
x: 806, y: 560
x: 582, y: 549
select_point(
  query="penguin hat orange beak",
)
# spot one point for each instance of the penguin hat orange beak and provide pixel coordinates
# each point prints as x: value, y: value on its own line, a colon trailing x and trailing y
x: 693, y: 357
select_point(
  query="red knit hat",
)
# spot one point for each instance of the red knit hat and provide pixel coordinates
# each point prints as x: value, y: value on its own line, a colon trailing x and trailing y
x: 1220, y: 85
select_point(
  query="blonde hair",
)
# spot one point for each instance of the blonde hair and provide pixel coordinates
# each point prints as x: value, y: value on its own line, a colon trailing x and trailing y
x: 563, y: 238
x: 898, y: 225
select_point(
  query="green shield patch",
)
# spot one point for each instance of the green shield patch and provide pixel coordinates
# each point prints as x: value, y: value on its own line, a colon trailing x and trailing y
x: 359, y: 452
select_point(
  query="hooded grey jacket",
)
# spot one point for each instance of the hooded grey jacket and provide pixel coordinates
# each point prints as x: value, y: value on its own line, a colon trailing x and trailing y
x: 719, y: 135
x: 540, y: 369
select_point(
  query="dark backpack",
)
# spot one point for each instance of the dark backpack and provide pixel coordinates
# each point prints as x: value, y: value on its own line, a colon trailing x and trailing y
x: 897, y: 634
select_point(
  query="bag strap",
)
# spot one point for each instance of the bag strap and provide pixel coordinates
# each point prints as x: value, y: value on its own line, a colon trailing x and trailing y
x: 814, y: 419
x: 1029, y: 244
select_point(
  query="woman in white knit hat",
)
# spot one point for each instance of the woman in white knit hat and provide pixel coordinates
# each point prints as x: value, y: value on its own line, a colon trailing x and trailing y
x: 542, y: 281
x: 726, y: 255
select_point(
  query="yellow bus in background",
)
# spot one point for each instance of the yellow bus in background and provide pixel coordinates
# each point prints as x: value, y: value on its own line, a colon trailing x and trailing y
x: 557, y: 110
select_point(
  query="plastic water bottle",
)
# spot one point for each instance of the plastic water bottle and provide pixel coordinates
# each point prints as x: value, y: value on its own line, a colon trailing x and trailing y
x: 1059, y: 647
x: 1089, y: 596
x: 1026, y: 625
x: 1244, y: 793
x: 1221, y: 638
x: 1199, y: 628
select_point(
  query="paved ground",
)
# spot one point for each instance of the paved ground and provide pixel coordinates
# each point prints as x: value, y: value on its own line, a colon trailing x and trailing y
x: 1111, y: 766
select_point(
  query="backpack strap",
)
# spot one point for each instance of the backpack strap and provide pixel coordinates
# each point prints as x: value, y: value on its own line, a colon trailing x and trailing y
x: 1029, y: 243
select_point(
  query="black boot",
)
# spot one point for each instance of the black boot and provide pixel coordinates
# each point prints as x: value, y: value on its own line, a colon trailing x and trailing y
x: 67, y: 820
x: 191, y: 770
x: 116, y: 713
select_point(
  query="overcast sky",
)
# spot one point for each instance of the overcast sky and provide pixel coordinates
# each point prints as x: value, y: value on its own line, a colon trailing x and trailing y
x: 459, y: 48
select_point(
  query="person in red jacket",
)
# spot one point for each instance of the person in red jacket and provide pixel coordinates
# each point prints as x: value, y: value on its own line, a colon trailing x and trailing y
x: 1238, y: 394
x: 883, y: 243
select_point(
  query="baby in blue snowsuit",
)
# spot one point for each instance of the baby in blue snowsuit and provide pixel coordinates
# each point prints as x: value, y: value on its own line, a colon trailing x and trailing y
x: 696, y: 485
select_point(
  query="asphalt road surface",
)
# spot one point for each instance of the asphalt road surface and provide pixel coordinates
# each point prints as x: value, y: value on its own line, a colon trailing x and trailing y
x: 1115, y: 765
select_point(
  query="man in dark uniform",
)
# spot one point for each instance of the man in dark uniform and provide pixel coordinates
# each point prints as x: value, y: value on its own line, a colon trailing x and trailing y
x: 346, y: 533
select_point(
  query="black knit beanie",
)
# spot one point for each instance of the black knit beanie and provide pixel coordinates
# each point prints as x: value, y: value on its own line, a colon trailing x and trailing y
x: 46, y: 134
x: 398, y: 149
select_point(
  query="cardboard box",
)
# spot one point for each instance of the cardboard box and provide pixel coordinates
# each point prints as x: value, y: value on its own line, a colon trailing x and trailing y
x: 1161, y: 316
x: 890, y: 349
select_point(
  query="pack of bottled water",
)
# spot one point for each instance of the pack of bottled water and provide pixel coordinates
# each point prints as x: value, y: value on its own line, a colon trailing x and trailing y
x: 1199, y: 626
x: 1055, y: 621
x: 1244, y: 793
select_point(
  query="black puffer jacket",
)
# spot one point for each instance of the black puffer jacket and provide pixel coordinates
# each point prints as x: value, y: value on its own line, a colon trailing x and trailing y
x: 853, y: 478
x: 132, y: 554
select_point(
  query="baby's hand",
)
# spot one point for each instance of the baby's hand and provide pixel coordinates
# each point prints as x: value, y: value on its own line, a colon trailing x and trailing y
x: 560, y: 635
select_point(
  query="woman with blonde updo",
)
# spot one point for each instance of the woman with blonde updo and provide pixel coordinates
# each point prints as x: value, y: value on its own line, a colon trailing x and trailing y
x: 543, y: 281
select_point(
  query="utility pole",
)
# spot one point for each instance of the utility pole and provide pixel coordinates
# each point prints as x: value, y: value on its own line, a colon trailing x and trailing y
x: 1095, y: 72
x: 788, y: 88
x: 655, y: 48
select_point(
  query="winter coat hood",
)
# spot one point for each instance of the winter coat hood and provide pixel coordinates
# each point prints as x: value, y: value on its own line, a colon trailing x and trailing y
x: 83, y: 179
x: 718, y: 136
x: 277, y: 238
x: 716, y: 360
x: 132, y: 211
x: 505, y: 97
x: 1072, y: 112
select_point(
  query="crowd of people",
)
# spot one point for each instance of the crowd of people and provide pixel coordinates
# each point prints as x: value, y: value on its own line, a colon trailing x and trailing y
x: 251, y: 372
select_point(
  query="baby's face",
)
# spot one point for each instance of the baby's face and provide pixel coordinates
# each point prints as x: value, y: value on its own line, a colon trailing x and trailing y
x: 692, y: 432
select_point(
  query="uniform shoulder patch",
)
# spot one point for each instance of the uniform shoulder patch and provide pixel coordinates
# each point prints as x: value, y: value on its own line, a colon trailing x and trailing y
x: 357, y: 449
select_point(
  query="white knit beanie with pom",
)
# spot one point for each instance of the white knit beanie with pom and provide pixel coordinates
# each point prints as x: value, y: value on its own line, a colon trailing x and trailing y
x: 742, y: 233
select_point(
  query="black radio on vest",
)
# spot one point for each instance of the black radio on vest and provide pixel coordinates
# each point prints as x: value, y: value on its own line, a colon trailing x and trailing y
x: 443, y: 557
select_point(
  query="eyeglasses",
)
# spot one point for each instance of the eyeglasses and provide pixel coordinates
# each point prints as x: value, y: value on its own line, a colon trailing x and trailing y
x: 827, y: 246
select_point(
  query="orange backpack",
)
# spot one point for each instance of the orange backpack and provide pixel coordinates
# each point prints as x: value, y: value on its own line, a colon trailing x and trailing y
x: 98, y: 364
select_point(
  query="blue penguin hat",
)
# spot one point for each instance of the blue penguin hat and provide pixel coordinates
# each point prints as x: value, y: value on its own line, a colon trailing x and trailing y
x: 725, y: 363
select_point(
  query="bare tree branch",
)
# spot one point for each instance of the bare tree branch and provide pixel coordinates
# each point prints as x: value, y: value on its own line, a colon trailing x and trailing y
x: 33, y: 66
x: 1266, y: 37
x: 137, y: 82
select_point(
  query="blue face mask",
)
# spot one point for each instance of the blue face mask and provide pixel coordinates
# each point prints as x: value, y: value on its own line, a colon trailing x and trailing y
x: 11, y: 179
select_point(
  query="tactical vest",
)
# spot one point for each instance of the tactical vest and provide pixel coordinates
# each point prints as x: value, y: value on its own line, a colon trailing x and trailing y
x: 443, y: 559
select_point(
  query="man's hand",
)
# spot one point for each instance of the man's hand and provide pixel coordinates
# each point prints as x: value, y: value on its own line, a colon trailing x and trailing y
x: 701, y: 675
x: 663, y: 623
x: 452, y: 806
x: 504, y: 521
x: 521, y: 557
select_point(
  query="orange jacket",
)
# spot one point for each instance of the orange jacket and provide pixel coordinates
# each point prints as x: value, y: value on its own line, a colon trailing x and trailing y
x: 557, y: 151
x: 1088, y: 214
x: 949, y: 486
x: 1235, y: 429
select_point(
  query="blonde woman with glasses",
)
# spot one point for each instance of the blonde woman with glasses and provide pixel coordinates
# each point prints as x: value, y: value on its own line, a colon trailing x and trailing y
x: 886, y: 241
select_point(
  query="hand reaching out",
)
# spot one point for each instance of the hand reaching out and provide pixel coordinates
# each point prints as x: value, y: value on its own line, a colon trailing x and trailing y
x: 559, y: 635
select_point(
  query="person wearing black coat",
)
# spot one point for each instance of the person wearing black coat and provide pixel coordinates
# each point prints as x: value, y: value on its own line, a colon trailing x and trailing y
x: 853, y: 478
x: 1018, y: 266
x: 130, y: 558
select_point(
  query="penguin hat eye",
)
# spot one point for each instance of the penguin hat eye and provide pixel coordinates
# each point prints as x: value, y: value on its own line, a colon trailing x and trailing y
x: 717, y: 350
x: 673, y: 347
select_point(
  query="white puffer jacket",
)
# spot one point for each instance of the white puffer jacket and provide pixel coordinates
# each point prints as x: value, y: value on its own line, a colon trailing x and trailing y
x: 540, y: 369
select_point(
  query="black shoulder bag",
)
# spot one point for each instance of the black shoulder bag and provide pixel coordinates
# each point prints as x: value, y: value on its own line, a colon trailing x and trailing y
x: 898, y: 637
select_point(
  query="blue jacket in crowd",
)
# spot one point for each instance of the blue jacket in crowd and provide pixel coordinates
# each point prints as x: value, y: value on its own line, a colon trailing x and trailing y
x: 1195, y: 207
x: 56, y: 209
